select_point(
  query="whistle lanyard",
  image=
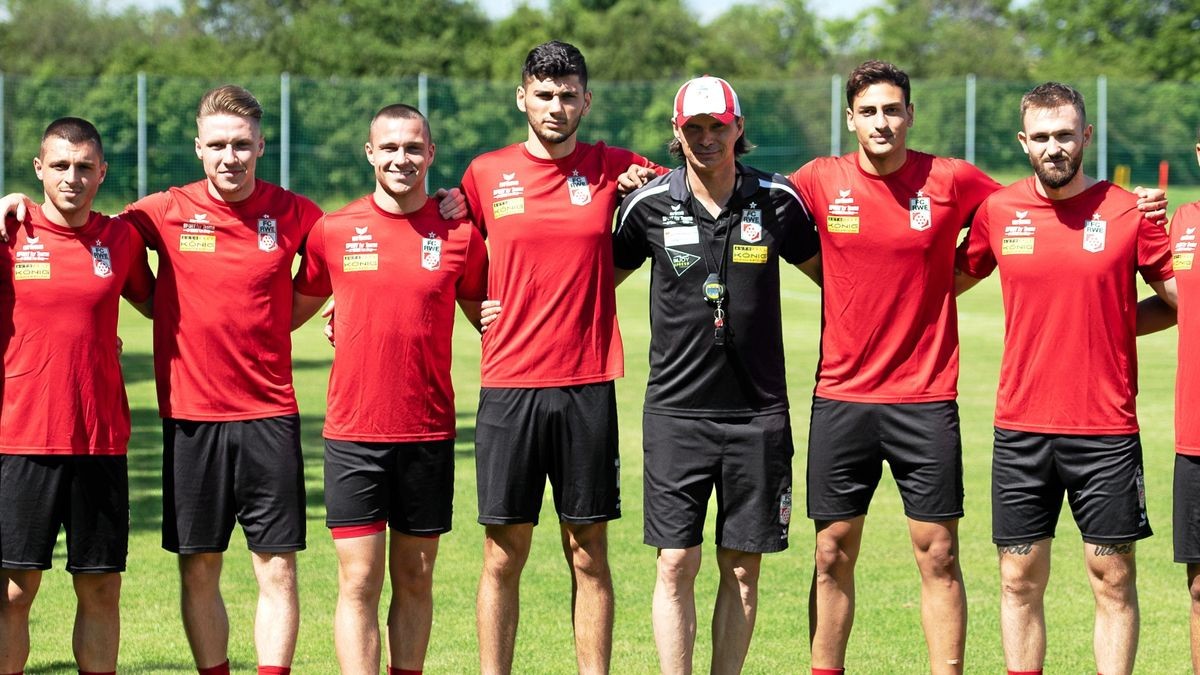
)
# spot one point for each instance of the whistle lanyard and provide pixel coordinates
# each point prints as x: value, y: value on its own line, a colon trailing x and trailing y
x: 715, y: 291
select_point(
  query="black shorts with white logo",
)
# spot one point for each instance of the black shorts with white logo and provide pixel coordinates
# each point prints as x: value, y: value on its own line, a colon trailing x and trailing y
x: 1187, y: 509
x: 849, y: 442
x: 567, y: 433
x: 747, y: 460
x: 86, y: 495
x: 1101, y: 475
x: 246, y: 471
x: 410, y: 485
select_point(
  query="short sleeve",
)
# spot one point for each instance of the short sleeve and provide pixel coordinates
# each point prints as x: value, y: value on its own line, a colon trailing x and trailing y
x: 975, y: 257
x: 472, y: 195
x: 309, y: 213
x: 139, y: 281
x: 473, y: 283
x: 971, y: 187
x: 312, y: 279
x: 145, y: 214
x: 801, y: 241
x: 630, y: 244
x: 1153, y: 251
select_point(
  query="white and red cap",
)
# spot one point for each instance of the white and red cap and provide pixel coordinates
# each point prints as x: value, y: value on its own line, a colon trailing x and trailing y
x: 706, y: 96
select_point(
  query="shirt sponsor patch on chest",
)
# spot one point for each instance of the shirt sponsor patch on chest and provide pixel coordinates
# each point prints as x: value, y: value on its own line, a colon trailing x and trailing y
x: 198, y: 243
x: 1016, y: 246
x: 681, y: 236
x: 1182, y: 261
x: 360, y: 262
x: 842, y: 224
x: 681, y: 261
x: 750, y: 254
x: 577, y: 187
x: 23, y: 271
x: 508, y: 207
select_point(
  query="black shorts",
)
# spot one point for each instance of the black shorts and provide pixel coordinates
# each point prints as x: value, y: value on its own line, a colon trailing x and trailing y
x: 747, y: 459
x: 87, y: 495
x: 248, y: 471
x: 567, y: 433
x: 848, y: 443
x: 1187, y: 509
x: 1102, y: 476
x: 410, y: 485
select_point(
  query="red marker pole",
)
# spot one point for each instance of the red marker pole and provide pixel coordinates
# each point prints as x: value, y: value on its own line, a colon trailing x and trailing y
x: 1164, y: 168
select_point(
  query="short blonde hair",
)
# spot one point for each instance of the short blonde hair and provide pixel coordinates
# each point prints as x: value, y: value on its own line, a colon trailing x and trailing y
x: 229, y: 99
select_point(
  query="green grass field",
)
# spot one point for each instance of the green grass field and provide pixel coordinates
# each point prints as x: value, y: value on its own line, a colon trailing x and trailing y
x: 887, y: 636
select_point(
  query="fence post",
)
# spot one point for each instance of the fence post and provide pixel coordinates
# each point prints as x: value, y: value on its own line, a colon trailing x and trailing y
x: 1102, y: 127
x: 970, y: 149
x: 285, y: 130
x: 142, y: 169
x: 423, y: 106
x: 2, y: 190
x: 835, y: 116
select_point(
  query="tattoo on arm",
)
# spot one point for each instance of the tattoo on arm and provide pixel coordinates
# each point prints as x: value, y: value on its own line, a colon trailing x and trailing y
x: 1015, y: 549
x: 1113, y: 549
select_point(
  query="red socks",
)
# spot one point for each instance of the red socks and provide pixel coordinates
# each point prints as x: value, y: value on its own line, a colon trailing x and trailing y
x: 94, y: 672
x: 219, y: 669
x: 828, y: 671
x: 274, y: 670
x: 1025, y: 672
x: 402, y: 671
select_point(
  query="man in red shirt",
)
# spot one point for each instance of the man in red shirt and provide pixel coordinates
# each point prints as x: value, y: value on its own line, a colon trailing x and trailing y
x: 65, y: 431
x: 1068, y: 247
x: 396, y: 267
x: 548, y: 405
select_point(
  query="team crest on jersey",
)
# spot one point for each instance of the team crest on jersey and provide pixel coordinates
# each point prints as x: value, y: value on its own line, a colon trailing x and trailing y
x: 268, y: 234
x: 752, y: 230
x: 1093, y: 234
x: 785, y: 509
x: 577, y: 187
x: 101, y: 260
x: 431, y: 252
x: 920, y: 214
x: 682, y: 261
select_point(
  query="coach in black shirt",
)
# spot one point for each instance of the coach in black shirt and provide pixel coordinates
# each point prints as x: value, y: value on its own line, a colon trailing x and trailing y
x: 716, y: 412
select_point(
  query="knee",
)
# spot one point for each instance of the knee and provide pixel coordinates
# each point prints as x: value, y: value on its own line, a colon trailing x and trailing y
x: 19, y: 596
x: 832, y: 559
x: 1194, y: 587
x: 276, y: 573
x: 1022, y: 588
x: 412, y: 577
x: 1116, y: 584
x: 739, y: 568
x: 590, y: 559
x: 938, y: 560
x: 678, y: 566
x: 359, y: 580
x: 200, y: 571
x: 99, y: 592
x: 504, y: 556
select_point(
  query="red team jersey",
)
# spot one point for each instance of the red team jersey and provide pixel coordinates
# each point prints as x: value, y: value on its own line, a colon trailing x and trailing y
x: 1067, y: 270
x: 395, y: 278
x: 1185, y: 232
x: 63, y: 392
x: 549, y: 229
x: 223, y: 308
x: 890, y: 333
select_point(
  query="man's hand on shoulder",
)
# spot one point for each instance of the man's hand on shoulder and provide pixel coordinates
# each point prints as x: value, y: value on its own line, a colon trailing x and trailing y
x: 1152, y: 202
x: 452, y: 204
x: 634, y: 177
x: 13, y: 204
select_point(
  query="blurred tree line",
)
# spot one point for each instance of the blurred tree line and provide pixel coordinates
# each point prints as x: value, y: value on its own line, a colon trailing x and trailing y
x: 348, y: 57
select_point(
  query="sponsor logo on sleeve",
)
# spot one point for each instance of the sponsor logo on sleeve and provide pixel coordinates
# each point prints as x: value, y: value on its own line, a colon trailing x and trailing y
x: 1093, y: 234
x: 920, y: 213
x: 577, y: 187
x: 750, y: 254
x: 752, y: 224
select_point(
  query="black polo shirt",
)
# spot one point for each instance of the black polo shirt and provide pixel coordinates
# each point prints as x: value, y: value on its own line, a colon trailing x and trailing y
x: 690, y: 376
